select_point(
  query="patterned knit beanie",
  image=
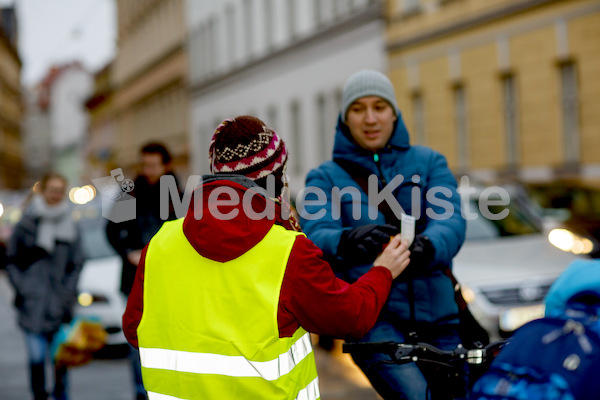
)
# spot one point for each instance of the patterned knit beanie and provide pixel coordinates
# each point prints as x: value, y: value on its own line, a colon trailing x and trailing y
x: 246, y: 146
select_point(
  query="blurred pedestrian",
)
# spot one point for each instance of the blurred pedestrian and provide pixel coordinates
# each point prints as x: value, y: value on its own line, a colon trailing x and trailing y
x: 128, y: 238
x: 44, y: 263
x: 223, y: 298
x: 372, y: 141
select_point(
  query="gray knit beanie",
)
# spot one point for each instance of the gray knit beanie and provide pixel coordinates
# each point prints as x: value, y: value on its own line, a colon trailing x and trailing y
x: 367, y: 83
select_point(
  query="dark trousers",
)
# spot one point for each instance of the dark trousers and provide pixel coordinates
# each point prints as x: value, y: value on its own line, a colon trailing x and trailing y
x: 136, y: 368
x: 38, y: 349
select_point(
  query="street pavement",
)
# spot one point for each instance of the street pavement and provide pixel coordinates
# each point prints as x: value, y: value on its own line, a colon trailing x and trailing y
x: 111, y: 379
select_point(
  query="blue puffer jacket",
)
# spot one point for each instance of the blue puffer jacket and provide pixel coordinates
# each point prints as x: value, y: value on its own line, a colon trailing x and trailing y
x: 433, y: 290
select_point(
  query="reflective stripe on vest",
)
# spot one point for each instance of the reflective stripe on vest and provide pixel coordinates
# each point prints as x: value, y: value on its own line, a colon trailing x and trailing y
x: 203, y: 363
x: 310, y: 392
x: 210, y: 329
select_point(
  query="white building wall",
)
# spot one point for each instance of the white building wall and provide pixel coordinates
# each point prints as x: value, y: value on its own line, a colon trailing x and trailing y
x: 274, y: 78
x: 69, y: 121
x: 36, y: 137
x: 67, y: 112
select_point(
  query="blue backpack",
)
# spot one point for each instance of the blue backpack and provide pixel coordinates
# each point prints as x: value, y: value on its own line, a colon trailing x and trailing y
x: 556, y: 357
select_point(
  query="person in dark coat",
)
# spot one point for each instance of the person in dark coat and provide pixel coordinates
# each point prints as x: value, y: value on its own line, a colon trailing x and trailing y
x: 371, y: 140
x: 44, y: 263
x: 128, y: 238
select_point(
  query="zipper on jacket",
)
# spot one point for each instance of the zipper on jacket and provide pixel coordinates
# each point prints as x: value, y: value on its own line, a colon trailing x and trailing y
x: 381, y: 177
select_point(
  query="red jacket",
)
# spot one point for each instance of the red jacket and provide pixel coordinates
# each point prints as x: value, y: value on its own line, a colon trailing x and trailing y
x: 311, y: 296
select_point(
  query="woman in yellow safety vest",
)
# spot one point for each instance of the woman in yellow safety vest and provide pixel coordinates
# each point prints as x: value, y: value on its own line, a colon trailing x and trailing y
x: 224, y: 298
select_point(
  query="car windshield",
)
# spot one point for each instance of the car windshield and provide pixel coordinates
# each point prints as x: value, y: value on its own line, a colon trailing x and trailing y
x: 517, y: 222
x: 581, y: 202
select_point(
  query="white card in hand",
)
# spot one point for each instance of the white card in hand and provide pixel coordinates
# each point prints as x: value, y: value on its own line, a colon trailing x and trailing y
x: 408, y: 228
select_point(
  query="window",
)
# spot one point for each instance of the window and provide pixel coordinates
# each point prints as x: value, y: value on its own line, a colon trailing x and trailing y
x: 340, y: 7
x: 460, y: 111
x: 296, y: 152
x: 318, y: 11
x: 197, y: 53
x: 411, y: 5
x: 211, y: 41
x: 511, y: 130
x: 291, y: 17
x: 230, y: 31
x: 322, y: 131
x: 570, y: 111
x: 269, y: 21
x: 419, y: 118
x: 518, y: 222
x: 248, y: 23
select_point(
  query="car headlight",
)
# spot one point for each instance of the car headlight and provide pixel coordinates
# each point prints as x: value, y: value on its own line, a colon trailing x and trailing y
x: 566, y: 240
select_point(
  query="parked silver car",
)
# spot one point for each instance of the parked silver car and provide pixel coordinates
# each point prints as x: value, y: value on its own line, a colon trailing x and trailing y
x: 506, y: 266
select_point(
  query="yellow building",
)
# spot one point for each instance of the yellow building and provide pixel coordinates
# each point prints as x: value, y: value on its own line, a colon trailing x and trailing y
x: 12, y: 172
x: 150, y: 77
x: 503, y: 88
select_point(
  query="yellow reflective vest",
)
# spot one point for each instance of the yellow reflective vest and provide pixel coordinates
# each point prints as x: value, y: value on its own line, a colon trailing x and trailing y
x: 209, y: 329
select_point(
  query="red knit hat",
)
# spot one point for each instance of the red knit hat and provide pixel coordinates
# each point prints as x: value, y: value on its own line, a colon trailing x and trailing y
x: 245, y: 145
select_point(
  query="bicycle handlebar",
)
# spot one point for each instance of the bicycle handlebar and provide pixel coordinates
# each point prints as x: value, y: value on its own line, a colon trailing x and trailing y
x: 403, y: 353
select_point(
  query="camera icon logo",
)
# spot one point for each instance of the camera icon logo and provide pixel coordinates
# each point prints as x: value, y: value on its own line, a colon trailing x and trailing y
x: 117, y: 204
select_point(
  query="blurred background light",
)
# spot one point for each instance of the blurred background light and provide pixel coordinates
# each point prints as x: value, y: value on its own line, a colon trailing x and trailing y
x: 566, y: 240
x: 82, y: 195
x: 72, y: 194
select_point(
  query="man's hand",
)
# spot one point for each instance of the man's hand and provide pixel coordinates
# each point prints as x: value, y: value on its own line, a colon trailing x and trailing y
x: 362, y: 244
x: 422, y: 255
x: 394, y: 257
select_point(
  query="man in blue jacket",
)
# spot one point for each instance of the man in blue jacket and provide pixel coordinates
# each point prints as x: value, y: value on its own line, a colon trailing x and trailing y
x: 372, y: 140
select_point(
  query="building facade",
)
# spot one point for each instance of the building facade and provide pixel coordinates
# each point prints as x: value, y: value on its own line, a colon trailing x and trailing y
x: 282, y: 61
x: 36, y: 136
x: 12, y: 171
x: 149, y: 75
x: 101, y: 135
x: 503, y: 88
x: 56, y: 123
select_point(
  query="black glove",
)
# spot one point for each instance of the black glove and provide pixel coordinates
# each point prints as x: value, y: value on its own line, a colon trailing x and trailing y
x: 363, y: 244
x: 422, y: 253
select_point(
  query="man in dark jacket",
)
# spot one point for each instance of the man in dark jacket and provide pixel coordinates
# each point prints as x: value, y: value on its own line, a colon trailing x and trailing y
x: 44, y: 263
x: 371, y: 140
x: 129, y: 237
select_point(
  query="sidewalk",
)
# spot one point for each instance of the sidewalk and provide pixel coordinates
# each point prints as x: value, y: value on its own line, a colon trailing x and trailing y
x: 339, y: 377
x: 98, y: 380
